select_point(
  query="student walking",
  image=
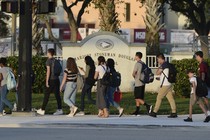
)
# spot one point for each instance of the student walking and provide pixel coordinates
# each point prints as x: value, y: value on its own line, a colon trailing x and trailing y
x: 165, y: 88
x: 194, y: 98
x: 52, y: 83
x: 139, y: 89
x: 101, y: 88
x: 70, y: 79
x: 4, y: 71
x: 88, y: 83
x: 112, y: 87
x: 203, y: 74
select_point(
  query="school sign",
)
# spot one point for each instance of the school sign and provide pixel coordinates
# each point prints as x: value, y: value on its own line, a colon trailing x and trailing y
x: 109, y: 45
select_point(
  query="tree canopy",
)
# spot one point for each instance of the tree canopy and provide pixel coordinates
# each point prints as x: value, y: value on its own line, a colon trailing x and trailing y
x: 4, y: 30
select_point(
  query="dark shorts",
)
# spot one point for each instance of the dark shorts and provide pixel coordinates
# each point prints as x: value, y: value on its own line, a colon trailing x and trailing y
x: 139, y: 92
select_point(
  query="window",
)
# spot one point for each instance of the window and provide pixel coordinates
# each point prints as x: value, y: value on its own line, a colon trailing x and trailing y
x: 127, y: 12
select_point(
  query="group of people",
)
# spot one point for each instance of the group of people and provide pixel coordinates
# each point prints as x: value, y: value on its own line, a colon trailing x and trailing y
x: 105, y: 92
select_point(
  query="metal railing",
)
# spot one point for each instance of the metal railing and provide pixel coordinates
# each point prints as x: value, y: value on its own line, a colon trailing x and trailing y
x: 151, y: 60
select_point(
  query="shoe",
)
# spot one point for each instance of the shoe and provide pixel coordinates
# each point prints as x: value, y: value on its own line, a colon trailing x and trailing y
x: 121, y: 110
x: 149, y: 109
x: 153, y: 114
x: 208, y: 112
x: 188, y: 119
x: 81, y: 113
x: 58, y: 112
x: 207, y: 119
x: 136, y: 114
x: 173, y: 115
x: 106, y: 113
x: 75, y: 110
x: 14, y: 107
x: 4, y: 113
x: 40, y: 112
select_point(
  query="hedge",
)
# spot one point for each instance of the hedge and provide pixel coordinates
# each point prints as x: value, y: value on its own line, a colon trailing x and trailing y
x: 39, y: 68
x: 182, y: 85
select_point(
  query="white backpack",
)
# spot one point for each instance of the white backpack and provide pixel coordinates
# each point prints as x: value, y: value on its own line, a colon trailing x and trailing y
x: 11, y: 82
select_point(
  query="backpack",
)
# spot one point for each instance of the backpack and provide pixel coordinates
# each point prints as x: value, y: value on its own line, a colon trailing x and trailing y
x: 148, y: 75
x: 115, y: 79
x: 172, y: 73
x: 106, y: 78
x: 11, y: 82
x: 56, y: 67
x: 207, y: 80
x: 201, y: 88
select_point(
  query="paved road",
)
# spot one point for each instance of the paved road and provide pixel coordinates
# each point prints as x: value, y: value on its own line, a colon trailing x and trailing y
x: 91, y: 133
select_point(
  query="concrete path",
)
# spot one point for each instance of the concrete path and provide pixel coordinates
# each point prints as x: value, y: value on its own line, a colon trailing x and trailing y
x: 94, y: 121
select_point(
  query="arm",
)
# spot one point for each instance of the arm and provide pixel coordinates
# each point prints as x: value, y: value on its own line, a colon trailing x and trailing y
x: 159, y: 71
x: 1, y: 77
x: 134, y: 74
x: 96, y: 75
x: 194, y: 90
x: 63, y: 81
x: 48, y: 76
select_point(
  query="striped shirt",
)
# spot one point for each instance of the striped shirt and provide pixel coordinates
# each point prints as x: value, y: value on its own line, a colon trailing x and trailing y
x: 71, y: 77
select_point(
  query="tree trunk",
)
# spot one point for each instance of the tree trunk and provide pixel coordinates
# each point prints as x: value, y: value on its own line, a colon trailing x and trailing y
x: 74, y: 30
x: 204, y: 46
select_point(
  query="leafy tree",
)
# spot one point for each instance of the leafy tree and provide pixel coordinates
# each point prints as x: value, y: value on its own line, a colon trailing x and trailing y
x: 4, y: 30
x: 108, y: 15
x: 74, y: 23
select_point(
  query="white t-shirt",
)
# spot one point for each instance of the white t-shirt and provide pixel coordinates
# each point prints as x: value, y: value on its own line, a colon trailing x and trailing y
x: 163, y: 78
x: 101, y: 69
x: 193, y: 80
x: 4, y: 71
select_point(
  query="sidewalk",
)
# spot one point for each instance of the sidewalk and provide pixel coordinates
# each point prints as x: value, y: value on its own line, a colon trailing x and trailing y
x: 94, y: 121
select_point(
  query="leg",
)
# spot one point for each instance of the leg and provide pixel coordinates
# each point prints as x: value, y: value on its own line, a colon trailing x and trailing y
x: 46, y: 97
x: 171, y: 100
x: 84, y: 91
x: 74, y: 92
x: 68, y: 93
x: 161, y: 94
x: 206, y: 101
x: 56, y: 86
x: 1, y: 103
x: 4, y: 100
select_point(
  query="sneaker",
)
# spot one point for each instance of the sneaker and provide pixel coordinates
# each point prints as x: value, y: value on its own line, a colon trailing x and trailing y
x: 75, y: 110
x: 153, y: 114
x: 4, y: 113
x: 40, y: 112
x: 58, y: 112
x: 121, y: 110
x: 136, y: 113
x: 14, y: 107
x: 81, y: 113
x: 208, y: 112
x: 207, y: 119
x: 149, y: 109
x: 188, y: 119
x: 173, y: 115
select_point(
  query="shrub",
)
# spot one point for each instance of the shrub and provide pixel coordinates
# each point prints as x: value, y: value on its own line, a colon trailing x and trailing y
x: 38, y: 67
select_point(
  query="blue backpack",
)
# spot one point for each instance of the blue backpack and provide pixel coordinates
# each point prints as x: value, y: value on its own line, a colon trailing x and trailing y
x: 148, y: 75
x: 11, y: 82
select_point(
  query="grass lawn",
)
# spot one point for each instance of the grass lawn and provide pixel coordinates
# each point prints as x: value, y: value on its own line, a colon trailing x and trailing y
x: 127, y: 103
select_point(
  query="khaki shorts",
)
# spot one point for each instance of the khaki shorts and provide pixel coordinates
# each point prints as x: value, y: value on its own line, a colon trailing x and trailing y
x: 192, y: 100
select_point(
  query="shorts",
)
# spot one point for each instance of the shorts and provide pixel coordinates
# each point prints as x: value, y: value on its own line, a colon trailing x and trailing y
x: 192, y: 100
x: 139, y: 92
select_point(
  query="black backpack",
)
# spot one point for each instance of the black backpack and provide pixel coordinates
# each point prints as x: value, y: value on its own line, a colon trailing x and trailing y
x: 148, y: 75
x: 207, y: 80
x: 172, y: 73
x: 56, y: 67
x: 106, y: 78
x: 115, y: 79
x: 201, y: 88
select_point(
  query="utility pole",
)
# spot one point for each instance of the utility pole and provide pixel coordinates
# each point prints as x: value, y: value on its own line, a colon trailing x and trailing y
x: 25, y: 56
x: 13, y: 48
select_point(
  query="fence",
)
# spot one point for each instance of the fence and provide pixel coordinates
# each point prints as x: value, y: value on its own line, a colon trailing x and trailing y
x: 151, y: 61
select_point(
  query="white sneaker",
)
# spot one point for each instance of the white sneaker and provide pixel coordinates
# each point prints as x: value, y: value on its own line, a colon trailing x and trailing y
x: 4, y: 113
x: 58, y: 112
x: 81, y: 113
x: 14, y: 107
x: 75, y: 110
x: 208, y: 112
x: 121, y: 110
x: 40, y: 112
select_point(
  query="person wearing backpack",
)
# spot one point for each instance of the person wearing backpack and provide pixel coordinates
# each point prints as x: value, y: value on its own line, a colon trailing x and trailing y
x: 139, y: 89
x: 70, y: 79
x: 100, y: 72
x: 52, y: 83
x: 4, y: 73
x: 203, y: 73
x: 112, y: 87
x: 88, y: 83
x: 165, y: 87
x: 197, y: 93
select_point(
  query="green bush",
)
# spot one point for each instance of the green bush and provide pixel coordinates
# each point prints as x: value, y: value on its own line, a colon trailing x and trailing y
x: 182, y: 86
x: 38, y: 67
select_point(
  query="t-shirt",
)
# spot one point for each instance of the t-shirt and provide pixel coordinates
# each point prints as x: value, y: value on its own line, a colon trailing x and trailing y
x: 4, y: 72
x: 193, y: 80
x: 101, y: 69
x: 71, y: 77
x: 50, y: 63
x: 203, y: 68
x: 138, y: 74
x: 163, y: 77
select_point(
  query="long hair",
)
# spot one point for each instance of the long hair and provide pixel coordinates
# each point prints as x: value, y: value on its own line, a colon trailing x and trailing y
x: 71, y: 65
x: 101, y: 60
x: 110, y: 63
x: 89, y: 61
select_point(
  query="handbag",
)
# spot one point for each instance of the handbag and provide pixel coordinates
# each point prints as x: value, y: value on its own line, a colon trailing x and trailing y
x: 117, y: 95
